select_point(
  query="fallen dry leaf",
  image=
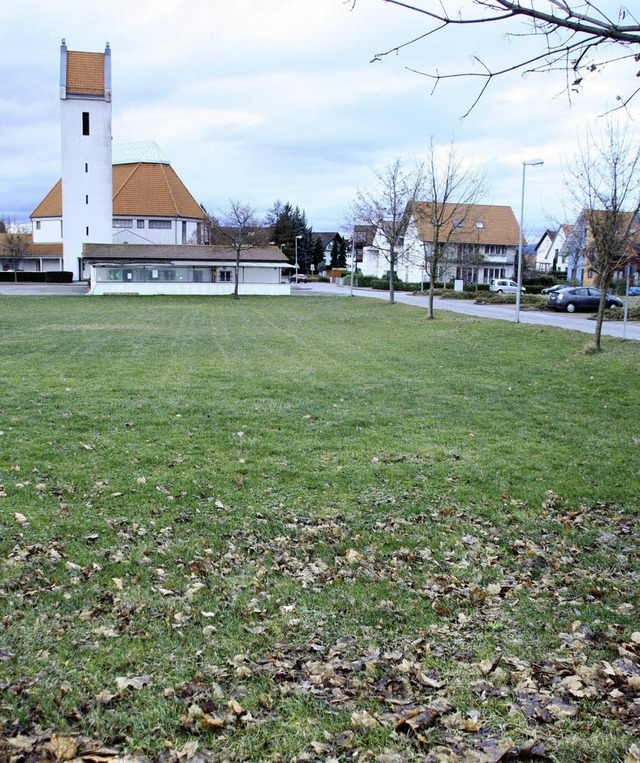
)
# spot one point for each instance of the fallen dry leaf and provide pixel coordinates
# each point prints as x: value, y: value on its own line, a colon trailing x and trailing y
x: 133, y: 682
x: 62, y: 747
x: 365, y: 719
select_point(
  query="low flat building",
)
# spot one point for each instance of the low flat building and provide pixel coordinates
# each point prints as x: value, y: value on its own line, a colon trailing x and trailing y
x: 184, y: 269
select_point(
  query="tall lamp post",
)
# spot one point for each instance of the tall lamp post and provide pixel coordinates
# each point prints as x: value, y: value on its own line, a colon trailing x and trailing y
x: 526, y: 163
x: 353, y: 259
x: 296, y: 249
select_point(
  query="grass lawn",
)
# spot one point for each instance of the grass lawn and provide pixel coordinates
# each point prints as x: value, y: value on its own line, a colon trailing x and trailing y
x: 314, y: 529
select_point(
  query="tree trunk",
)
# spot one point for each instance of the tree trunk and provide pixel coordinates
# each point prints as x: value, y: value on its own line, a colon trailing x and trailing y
x: 432, y: 288
x: 430, y: 315
x: 600, y: 318
x: 236, y: 294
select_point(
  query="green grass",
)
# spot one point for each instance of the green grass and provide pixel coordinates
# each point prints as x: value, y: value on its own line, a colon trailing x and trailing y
x: 312, y: 508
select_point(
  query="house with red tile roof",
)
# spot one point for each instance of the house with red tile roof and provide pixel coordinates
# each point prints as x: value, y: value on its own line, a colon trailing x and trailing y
x: 481, y: 242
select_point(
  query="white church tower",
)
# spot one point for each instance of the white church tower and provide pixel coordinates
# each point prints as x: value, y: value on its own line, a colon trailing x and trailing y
x: 87, y: 196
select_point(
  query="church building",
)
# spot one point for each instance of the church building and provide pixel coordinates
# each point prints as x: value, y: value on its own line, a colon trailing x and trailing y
x: 121, y: 214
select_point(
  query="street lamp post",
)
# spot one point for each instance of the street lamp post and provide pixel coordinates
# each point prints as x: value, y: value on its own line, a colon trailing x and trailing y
x: 353, y: 260
x: 526, y: 163
x: 296, y: 249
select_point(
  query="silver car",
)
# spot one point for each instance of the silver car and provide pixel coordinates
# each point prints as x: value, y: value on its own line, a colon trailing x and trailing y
x: 504, y: 286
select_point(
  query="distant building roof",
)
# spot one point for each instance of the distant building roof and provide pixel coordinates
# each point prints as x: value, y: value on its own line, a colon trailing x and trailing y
x: 364, y: 235
x: 550, y: 234
x: 134, y: 153
x: 326, y: 237
x: 34, y: 250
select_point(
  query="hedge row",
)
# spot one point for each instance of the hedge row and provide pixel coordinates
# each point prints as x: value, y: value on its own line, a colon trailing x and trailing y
x: 26, y: 276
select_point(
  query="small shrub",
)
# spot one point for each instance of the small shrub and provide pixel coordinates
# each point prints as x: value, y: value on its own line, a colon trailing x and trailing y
x: 59, y: 276
x: 449, y: 294
x: 541, y: 280
x: 32, y: 276
x: 23, y: 276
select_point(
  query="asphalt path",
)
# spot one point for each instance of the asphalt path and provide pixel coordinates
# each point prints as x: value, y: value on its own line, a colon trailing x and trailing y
x: 8, y: 289
x: 572, y: 322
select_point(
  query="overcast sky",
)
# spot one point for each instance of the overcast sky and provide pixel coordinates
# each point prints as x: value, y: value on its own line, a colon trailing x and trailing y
x: 260, y: 100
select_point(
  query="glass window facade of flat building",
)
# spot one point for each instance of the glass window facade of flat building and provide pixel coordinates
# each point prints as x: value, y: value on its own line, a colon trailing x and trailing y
x: 164, y: 274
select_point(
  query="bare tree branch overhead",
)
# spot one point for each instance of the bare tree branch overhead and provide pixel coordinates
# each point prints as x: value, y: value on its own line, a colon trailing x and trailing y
x: 576, y: 37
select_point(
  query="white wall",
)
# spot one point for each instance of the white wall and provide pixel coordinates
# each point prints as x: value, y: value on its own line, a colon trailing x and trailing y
x: 147, y: 235
x: 50, y: 231
x: 87, y: 197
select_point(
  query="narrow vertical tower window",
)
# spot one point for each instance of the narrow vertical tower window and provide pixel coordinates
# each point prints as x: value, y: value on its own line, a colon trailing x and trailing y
x: 85, y: 123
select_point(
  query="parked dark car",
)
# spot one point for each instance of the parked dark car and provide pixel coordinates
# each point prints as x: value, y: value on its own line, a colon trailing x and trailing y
x: 573, y: 298
x: 302, y: 278
x: 550, y: 289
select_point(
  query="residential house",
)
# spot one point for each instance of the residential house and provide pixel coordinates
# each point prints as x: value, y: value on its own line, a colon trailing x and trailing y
x: 363, y: 236
x: 542, y: 249
x: 327, y: 240
x: 480, y: 242
x: 575, y: 251
x: 550, y: 257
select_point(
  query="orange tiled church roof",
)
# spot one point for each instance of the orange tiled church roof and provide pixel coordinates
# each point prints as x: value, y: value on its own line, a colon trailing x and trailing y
x: 139, y: 190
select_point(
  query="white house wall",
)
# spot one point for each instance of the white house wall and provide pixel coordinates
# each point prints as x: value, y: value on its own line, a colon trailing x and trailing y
x: 148, y: 235
x: 49, y: 230
x: 190, y: 289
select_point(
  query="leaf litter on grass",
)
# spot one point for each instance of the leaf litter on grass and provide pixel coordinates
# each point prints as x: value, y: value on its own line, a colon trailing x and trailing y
x: 441, y: 694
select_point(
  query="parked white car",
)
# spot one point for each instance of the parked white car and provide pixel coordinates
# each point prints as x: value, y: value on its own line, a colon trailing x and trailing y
x: 504, y: 286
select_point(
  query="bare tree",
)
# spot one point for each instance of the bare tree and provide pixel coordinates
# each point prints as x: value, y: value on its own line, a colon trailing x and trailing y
x: 453, y: 188
x: 239, y: 228
x: 577, y: 37
x: 604, y: 182
x: 387, y: 207
x: 15, y: 241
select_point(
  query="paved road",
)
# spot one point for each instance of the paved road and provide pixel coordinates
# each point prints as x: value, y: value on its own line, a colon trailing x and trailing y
x: 498, y: 312
x: 35, y: 289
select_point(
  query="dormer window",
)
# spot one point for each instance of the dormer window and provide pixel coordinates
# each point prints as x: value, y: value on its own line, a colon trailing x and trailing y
x: 479, y: 224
